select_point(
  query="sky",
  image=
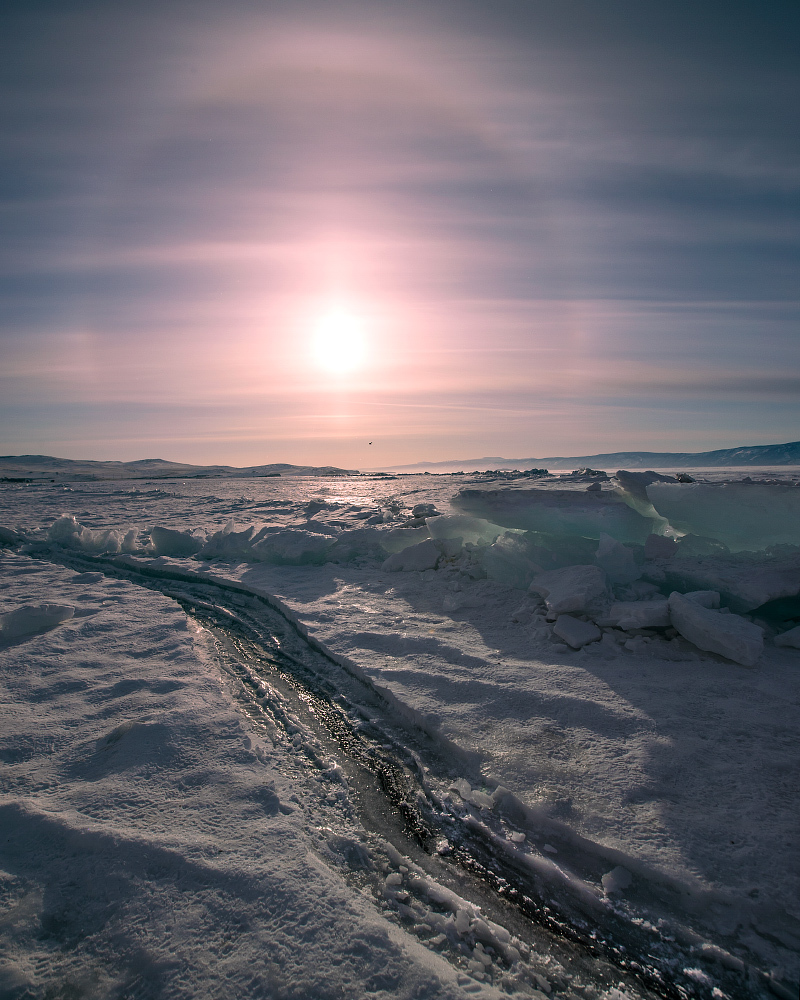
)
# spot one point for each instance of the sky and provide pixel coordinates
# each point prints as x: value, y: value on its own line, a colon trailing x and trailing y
x: 384, y: 231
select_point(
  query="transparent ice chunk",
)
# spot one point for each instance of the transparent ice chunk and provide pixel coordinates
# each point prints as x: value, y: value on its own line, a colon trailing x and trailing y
x: 745, y: 516
x: 558, y: 512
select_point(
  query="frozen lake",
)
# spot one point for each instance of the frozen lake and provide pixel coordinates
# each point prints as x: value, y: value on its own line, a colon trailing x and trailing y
x: 639, y: 780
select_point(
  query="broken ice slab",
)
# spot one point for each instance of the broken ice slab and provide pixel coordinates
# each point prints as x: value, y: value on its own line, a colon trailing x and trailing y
x: 659, y: 547
x: 169, y: 542
x: 654, y: 613
x: 558, y: 512
x: 705, y: 598
x: 617, y: 880
x: 468, y: 529
x: 745, y: 580
x: 419, y: 557
x: 745, y: 516
x: 572, y: 588
x: 508, y: 562
x: 575, y: 632
x: 636, y: 614
x: 424, y: 510
x: 789, y: 639
x: 690, y: 546
x: 70, y: 533
x: 617, y: 560
x: 634, y: 491
x: 729, y: 635
x: 636, y: 483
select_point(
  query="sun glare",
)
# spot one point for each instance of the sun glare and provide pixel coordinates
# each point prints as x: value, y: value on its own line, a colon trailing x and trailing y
x: 339, y: 346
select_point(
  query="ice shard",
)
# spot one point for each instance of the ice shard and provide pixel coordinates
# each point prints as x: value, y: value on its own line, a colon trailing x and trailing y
x: 636, y: 614
x: 573, y: 588
x: 745, y: 516
x: 590, y: 514
x: 729, y: 635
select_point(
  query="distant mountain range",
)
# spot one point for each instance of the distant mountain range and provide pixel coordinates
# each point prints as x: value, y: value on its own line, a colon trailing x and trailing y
x: 757, y: 455
x: 45, y: 467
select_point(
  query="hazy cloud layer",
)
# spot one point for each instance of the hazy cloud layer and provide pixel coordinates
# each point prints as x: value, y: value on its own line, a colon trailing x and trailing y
x: 563, y: 227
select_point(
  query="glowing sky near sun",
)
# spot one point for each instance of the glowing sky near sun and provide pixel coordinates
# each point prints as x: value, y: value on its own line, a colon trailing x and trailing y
x: 277, y: 232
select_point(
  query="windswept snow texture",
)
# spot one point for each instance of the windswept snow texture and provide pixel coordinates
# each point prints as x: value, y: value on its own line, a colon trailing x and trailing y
x: 637, y: 752
x: 148, y: 845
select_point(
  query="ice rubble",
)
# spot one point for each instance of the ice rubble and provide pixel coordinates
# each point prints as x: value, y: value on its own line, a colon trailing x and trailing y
x: 760, y: 522
x: 307, y: 543
x: 584, y: 553
x: 67, y: 531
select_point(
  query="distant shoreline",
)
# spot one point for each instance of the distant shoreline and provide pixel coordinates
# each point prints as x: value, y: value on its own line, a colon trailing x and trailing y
x: 43, y: 468
x: 757, y: 455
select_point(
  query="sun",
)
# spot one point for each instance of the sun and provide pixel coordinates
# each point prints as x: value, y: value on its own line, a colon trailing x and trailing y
x: 338, y: 344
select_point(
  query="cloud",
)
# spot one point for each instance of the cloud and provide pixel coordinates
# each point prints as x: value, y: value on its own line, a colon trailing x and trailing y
x: 537, y: 207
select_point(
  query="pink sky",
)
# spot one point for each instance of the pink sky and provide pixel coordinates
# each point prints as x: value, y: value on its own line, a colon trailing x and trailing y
x: 535, y: 260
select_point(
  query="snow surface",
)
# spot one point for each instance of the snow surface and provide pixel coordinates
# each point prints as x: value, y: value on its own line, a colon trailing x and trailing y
x: 149, y: 846
x: 173, y: 849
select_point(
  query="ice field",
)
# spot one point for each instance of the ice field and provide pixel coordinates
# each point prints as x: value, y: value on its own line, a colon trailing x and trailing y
x: 324, y: 737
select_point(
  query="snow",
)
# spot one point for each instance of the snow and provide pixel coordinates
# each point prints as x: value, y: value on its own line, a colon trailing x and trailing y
x: 33, y: 618
x: 194, y: 851
x: 149, y: 844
